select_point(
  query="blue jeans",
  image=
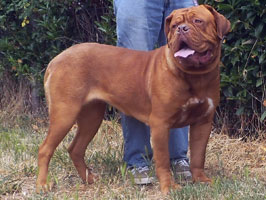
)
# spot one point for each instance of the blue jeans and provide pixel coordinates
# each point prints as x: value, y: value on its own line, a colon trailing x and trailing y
x: 140, y: 26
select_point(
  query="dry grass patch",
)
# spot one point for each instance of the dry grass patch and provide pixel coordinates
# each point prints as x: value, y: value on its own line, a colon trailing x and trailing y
x: 233, y: 157
x: 237, y: 168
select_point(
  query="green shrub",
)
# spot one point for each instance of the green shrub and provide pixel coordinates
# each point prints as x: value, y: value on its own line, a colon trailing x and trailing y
x: 243, y: 67
x: 33, y: 32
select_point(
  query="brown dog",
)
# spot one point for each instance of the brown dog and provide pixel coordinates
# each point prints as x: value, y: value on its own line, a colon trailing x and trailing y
x: 173, y: 86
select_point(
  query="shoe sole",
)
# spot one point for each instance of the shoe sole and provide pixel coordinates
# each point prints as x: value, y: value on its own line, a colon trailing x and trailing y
x: 144, y: 181
x: 183, y: 176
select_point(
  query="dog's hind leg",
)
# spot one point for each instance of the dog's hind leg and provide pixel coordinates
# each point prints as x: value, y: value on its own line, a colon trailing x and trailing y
x: 62, y: 117
x: 89, y: 120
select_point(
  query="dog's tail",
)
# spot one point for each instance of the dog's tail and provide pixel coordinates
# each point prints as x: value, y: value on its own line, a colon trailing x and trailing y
x: 47, y: 77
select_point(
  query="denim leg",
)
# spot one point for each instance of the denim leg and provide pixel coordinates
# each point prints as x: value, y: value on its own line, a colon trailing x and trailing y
x: 138, y: 26
x: 138, y: 23
x: 178, y: 143
x: 173, y: 5
x: 137, y: 148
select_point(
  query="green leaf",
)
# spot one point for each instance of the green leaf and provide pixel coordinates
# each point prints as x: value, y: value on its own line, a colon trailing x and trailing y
x: 263, y: 116
x: 259, y: 82
x: 262, y: 58
x: 258, y: 30
x: 250, y: 41
x: 225, y: 7
x: 250, y: 14
x: 240, y: 111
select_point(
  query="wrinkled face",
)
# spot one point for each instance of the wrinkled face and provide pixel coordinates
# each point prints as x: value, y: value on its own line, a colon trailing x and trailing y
x: 194, y: 36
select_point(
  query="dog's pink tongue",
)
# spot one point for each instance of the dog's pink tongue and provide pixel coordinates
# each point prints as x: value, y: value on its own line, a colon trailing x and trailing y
x: 184, y: 53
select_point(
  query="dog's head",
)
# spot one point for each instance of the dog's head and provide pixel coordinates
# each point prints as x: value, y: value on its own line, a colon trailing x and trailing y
x: 194, y: 36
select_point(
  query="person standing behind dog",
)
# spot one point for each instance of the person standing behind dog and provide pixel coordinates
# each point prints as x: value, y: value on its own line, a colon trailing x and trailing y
x: 140, y: 26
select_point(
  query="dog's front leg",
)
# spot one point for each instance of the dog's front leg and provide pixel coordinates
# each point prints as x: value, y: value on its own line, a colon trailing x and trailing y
x: 199, y: 135
x: 160, y: 137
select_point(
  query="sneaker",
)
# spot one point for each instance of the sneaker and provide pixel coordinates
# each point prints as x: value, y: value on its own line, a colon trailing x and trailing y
x: 181, y: 170
x: 142, y: 175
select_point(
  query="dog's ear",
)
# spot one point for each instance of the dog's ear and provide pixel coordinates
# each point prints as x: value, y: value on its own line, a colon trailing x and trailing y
x: 167, y: 25
x: 223, y: 25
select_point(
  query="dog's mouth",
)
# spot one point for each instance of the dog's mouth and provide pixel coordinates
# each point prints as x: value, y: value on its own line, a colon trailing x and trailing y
x: 185, y: 52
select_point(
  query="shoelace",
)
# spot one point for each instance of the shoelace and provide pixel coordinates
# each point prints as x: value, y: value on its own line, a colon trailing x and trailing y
x: 140, y: 169
x: 184, y: 163
x: 181, y: 163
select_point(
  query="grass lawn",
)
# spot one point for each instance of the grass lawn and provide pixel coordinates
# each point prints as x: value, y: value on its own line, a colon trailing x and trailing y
x: 237, y: 168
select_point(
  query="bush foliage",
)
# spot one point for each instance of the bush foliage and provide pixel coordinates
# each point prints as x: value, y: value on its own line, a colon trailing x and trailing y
x: 33, y: 32
x: 243, y: 69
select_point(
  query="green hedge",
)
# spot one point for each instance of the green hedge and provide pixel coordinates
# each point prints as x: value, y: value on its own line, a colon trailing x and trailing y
x: 33, y: 32
x: 243, y: 69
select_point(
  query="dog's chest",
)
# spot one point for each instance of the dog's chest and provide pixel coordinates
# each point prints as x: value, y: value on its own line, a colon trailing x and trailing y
x: 194, y: 109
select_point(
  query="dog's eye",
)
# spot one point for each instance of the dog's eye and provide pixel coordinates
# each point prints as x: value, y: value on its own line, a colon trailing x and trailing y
x: 174, y: 26
x: 197, y: 21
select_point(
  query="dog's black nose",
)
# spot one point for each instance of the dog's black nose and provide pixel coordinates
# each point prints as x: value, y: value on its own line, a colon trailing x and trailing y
x: 182, y: 28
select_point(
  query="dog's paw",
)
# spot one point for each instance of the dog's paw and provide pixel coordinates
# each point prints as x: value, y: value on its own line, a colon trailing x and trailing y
x: 198, y: 176
x: 202, y: 178
x: 173, y: 186
x: 91, y: 177
x: 165, y: 190
x: 44, y: 188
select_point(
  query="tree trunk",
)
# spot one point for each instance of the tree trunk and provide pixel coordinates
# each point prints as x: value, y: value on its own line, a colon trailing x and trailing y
x: 35, y: 100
